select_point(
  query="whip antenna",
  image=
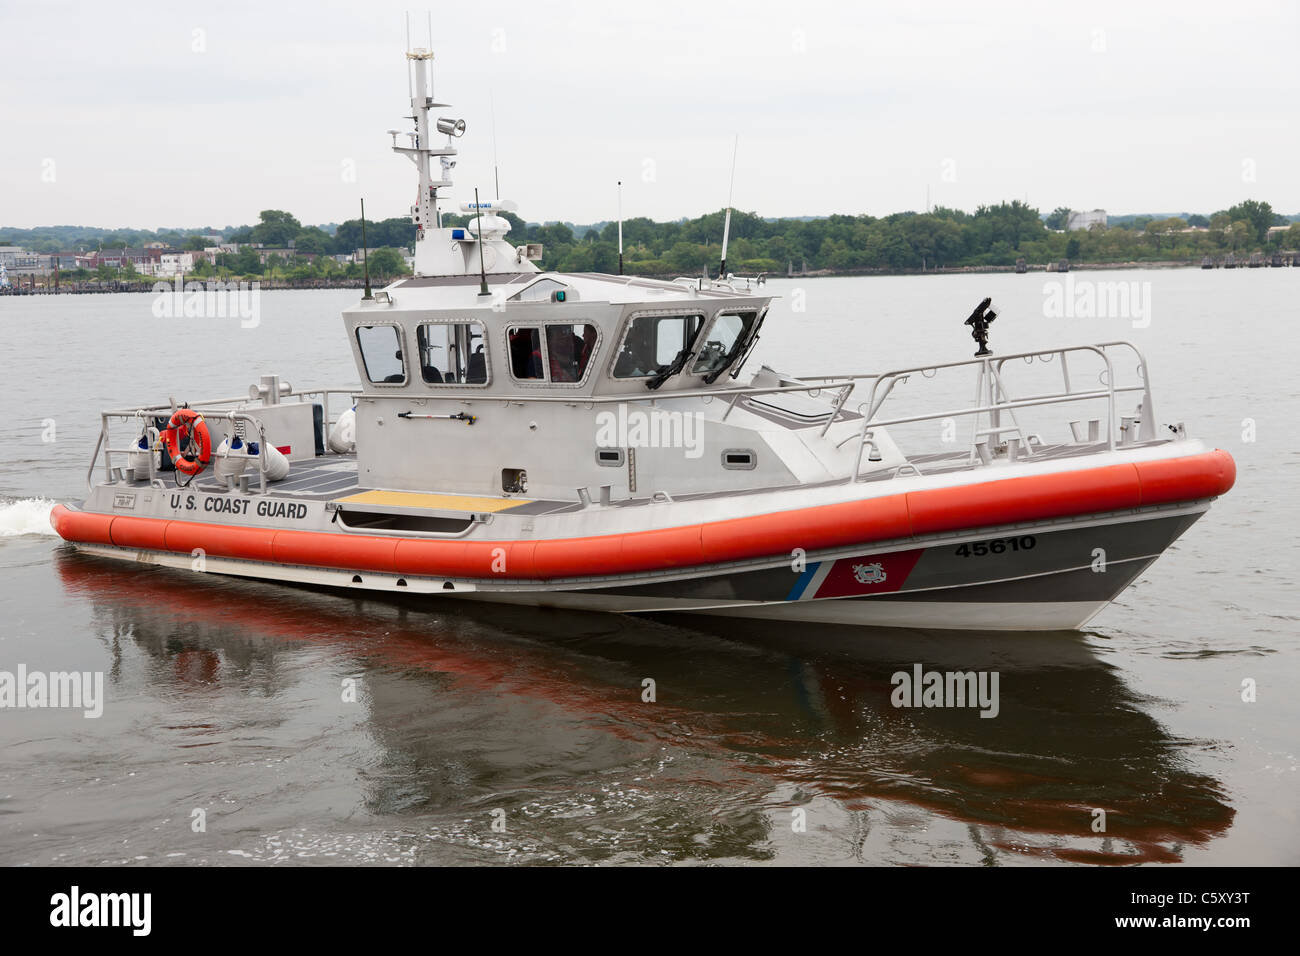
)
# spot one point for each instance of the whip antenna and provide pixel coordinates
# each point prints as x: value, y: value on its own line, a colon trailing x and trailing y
x: 496, y: 172
x: 365, y: 252
x: 726, y: 226
x: 482, y: 272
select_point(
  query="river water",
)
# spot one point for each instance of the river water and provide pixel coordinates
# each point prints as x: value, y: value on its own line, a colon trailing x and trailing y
x: 488, y: 735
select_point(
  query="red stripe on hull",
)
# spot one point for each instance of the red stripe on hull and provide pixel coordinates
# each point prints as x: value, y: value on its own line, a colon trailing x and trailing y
x: 880, y: 574
x: 936, y: 510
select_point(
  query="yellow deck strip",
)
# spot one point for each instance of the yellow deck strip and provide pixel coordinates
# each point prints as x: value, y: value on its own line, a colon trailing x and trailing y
x: 416, y: 499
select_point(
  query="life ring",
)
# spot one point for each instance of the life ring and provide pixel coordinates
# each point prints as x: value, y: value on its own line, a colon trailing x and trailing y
x: 183, y: 431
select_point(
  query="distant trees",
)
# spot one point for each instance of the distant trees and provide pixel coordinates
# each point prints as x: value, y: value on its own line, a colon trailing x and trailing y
x: 276, y: 228
x: 386, y: 263
x: 313, y: 242
x: 1059, y: 218
x: 398, y: 231
x: 1258, y: 215
x: 992, y: 235
x: 1159, y: 229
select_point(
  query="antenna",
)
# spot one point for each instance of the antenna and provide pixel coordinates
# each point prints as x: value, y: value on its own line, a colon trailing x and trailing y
x: 482, y: 272
x: 410, y: 87
x: 365, y: 253
x: 620, y: 227
x: 726, y: 226
x: 496, y: 173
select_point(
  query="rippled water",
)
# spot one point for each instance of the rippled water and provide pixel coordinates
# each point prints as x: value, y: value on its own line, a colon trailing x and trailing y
x: 226, y: 696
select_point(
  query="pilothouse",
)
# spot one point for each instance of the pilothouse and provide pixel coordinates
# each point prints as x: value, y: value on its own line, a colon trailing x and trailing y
x: 600, y: 442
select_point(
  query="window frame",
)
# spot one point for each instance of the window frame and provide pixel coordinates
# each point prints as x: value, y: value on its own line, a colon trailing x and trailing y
x: 704, y: 315
x: 745, y: 334
x: 540, y: 324
x: 401, y: 345
x: 487, y: 351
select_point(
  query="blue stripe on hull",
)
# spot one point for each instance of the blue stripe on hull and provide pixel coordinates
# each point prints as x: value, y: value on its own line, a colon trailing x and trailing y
x: 796, y: 592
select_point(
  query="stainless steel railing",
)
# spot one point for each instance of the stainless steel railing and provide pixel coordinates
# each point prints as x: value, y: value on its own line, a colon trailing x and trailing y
x: 228, y: 408
x: 993, y: 397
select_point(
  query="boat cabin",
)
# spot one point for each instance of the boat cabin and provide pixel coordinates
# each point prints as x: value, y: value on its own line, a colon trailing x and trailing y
x: 476, y: 391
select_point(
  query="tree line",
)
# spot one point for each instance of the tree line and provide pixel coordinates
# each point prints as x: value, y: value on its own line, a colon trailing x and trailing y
x: 995, y: 235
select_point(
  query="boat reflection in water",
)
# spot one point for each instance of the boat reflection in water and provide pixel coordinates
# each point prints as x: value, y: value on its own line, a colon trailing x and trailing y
x: 540, y: 713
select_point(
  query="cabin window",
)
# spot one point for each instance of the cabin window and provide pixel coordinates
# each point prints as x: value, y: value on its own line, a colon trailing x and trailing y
x: 561, y: 354
x: 722, y: 345
x: 381, y: 354
x: 525, y: 353
x: 653, y: 342
x: 452, y: 353
x: 568, y: 350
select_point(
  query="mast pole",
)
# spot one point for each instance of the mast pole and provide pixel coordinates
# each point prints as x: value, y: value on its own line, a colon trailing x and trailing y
x: 482, y: 272
x: 620, y: 227
x: 365, y: 252
x: 726, y: 226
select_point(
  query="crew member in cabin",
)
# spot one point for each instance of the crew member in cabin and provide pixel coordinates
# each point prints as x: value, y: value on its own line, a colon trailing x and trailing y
x: 526, y: 353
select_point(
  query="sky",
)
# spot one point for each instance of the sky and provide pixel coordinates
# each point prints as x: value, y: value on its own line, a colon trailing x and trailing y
x: 152, y: 115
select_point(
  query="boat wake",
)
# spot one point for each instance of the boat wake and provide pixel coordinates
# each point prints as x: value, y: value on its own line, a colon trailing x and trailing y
x: 25, y: 516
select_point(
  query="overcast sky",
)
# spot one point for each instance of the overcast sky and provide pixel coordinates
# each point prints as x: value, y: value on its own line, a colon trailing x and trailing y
x: 185, y: 114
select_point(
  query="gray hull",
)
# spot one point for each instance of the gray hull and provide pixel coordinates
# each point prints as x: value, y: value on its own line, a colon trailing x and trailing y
x: 1049, y: 576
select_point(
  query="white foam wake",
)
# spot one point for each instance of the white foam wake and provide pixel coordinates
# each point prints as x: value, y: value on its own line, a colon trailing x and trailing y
x: 25, y: 516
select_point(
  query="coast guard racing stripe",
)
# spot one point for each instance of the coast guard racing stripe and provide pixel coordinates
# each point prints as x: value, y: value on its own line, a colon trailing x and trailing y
x: 875, y: 574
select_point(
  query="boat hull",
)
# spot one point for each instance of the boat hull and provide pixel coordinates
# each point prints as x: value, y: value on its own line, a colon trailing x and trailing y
x: 1041, y: 576
x: 1045, y: 547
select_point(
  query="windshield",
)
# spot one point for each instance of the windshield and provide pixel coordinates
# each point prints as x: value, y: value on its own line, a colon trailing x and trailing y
x: 725, y: 337
x: 653, y: 342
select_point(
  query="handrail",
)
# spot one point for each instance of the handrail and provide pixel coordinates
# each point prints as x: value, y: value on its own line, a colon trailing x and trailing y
x: 990, y: 382
x: 300, y: 394
x: 233, y: 414
x: 992, y: 399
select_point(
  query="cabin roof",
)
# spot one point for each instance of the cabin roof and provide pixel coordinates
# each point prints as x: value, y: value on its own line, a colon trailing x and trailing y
x: 462, y: 292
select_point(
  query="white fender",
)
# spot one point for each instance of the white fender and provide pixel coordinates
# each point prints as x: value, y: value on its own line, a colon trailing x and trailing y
x: 139, y: 458
x: 277, y: 466
x: 232, y: 457
x: 343, y: 433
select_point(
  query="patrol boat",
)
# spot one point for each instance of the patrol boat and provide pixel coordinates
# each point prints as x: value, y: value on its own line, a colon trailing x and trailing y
x: 588, y: 441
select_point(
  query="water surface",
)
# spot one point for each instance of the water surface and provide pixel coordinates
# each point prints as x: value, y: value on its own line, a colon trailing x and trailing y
x: 227, y: 696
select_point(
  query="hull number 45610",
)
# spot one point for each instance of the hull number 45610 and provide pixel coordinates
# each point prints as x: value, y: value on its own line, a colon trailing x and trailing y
x: 978, y: 549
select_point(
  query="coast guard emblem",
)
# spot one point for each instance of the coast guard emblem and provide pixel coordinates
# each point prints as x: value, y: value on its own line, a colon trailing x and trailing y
x: 869, y: 573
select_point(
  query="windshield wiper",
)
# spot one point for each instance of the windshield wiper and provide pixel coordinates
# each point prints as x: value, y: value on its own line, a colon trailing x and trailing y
x: 741, y: 347
x: 665, y: 372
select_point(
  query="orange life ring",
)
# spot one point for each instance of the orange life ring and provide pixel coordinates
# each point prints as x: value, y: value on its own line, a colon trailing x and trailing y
x: 185, y: 428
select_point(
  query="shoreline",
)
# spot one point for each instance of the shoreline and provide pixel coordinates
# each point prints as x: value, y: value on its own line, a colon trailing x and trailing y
x: 104, y: 287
